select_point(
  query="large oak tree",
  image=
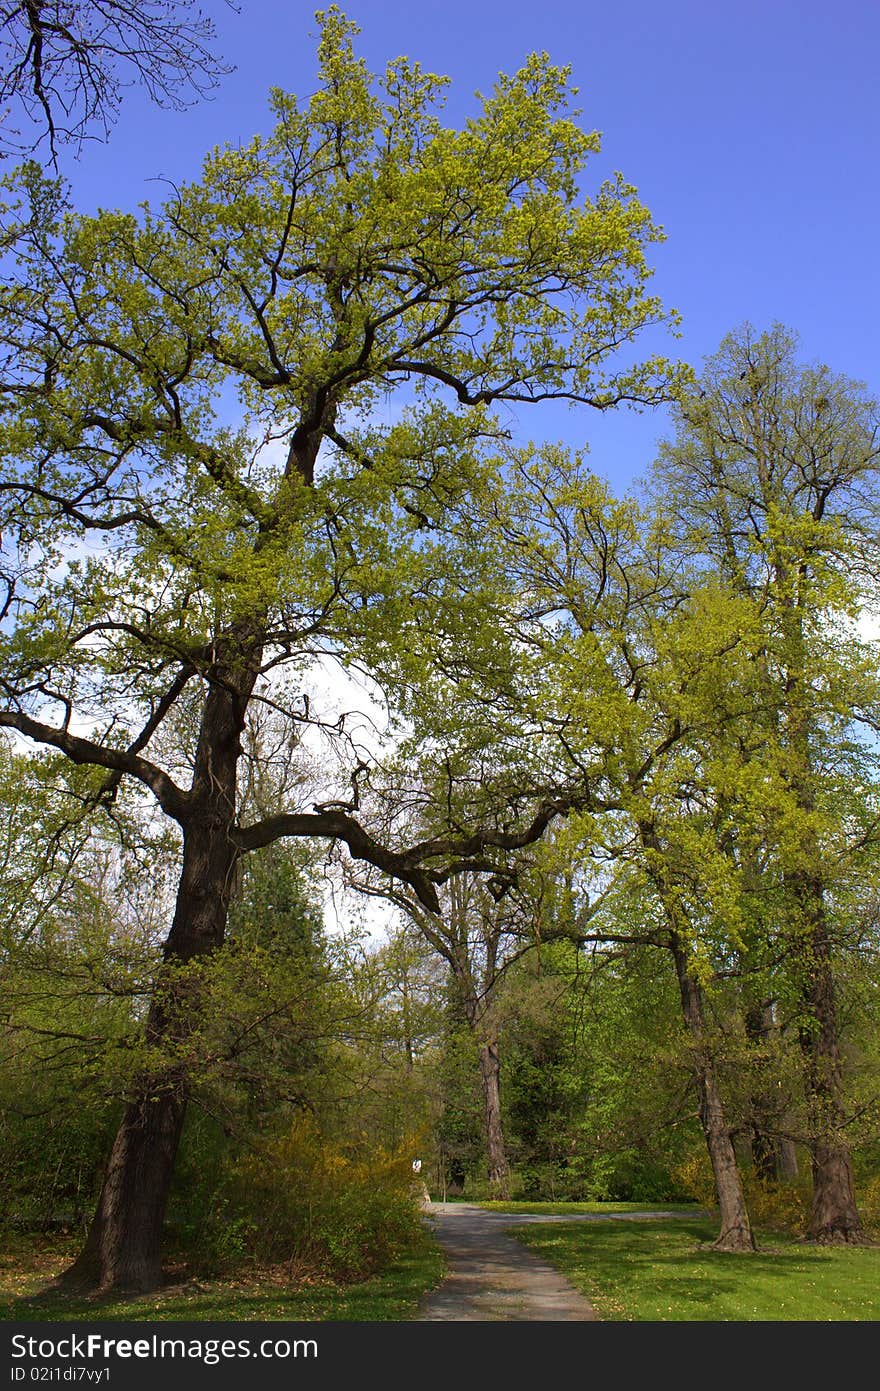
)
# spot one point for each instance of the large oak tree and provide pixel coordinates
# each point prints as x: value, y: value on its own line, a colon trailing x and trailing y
x: 233, y: 433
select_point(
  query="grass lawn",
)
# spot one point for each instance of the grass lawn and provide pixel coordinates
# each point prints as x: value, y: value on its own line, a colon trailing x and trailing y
x: 26, y: 1266
x: 560, y: 1209
x: 655, y: 1270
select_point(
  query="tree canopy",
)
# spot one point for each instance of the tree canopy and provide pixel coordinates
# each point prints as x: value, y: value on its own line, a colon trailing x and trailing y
x: 235, y: 431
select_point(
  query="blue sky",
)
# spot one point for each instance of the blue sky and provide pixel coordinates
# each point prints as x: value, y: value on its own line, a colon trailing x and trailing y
x: 750, y: 127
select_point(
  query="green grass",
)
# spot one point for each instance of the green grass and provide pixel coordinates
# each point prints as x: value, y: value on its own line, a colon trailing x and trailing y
x: 657, y: 1271
x: 27, y: 1267
x: 562, y: 1209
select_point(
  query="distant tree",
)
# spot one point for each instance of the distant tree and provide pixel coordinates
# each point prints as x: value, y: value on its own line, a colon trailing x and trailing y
x: 613, y: 637
x: 476, y: 936
x: 772, y: 481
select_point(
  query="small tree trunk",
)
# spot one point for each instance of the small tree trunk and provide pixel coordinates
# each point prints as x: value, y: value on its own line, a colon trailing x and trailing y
x: 764, y: 1157
x: 736, y: 1231
x: 490, y: 1073
x: 759, y: 1025
x: 788, y: 1160
x: 475, y: 1006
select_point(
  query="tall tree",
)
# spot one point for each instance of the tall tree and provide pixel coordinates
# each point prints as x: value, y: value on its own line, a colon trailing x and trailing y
x: 475, y: 934
x: 773, y: 479
x: 196, y: 496
x: 619, y: 649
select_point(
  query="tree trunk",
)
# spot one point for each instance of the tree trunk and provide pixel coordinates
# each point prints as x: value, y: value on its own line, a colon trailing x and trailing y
x: 476, y: 1005
x: 490, y: 1075
x: 123, y: 1247
x: 736, y: 1231
x: 834, y: 1217
x: 765, y: 1160
x: 788, y: 1160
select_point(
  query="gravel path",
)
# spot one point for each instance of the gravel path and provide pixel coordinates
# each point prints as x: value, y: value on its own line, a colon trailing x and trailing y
x: 492, y: 1277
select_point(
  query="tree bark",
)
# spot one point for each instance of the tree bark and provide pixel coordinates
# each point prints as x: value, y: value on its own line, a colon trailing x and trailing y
x: 788, y: 1160
x: 736, y: 1231
x: 765, y: 1159
x: 490, y: 1076
x: 122, y: 1251
x: 834, y: 1217
x: 123, y: 1248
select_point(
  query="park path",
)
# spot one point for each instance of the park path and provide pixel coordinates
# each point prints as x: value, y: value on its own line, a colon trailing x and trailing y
x: 491, y: 1276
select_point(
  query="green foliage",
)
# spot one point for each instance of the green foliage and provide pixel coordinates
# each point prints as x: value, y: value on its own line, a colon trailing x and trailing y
x: 53, y: 1146
x: 598, y: 1086
x: 301, y: 1198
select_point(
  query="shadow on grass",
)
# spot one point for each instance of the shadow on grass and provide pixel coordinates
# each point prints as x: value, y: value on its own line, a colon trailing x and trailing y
x: 393, y: 1295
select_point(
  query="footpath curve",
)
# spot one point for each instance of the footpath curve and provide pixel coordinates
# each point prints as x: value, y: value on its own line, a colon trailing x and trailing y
x: 491, y: 1276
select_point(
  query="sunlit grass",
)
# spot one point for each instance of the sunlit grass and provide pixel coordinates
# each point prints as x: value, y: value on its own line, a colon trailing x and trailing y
x: 661, y: 1271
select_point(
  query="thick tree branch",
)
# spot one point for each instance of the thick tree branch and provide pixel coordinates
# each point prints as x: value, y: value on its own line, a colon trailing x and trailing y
x: 338, y: 825
x: 172, y: 799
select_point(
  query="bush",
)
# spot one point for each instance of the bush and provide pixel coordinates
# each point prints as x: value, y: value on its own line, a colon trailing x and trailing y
x: 783, y: 1207
x: 301, y: 1198
x: 869, y: 1206
x: 52, y: 1158
x: 695, y: 1179
x: 202, y: 1218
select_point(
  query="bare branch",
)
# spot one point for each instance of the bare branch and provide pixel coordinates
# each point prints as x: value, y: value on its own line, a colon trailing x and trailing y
x: 64, y: 63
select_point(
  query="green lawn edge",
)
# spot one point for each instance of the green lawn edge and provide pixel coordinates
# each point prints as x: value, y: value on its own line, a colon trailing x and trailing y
x: 560, y: 1209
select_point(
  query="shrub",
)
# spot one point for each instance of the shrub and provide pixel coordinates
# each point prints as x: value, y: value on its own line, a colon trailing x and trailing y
x: 695, y: 1179
x: 869, y: 1206
x: 52, y: 1158
x: 784, y: 1207
x: 304, y: 1198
